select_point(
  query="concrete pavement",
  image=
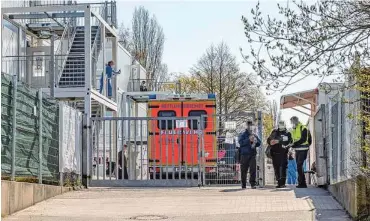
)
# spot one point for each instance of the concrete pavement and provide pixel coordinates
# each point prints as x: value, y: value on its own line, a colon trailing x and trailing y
x: 186, y: 204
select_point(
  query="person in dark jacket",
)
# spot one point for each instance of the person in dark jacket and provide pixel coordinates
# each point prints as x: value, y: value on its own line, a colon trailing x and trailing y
x: 279, y: 140
x: 124, y: 167
x: 247, y: 156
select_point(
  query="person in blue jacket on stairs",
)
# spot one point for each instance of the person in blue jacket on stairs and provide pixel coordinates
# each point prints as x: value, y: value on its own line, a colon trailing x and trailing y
x: 109, y: 73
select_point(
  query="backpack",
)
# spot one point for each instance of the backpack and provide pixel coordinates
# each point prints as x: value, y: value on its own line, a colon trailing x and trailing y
x: 309, y: 137
x: 268, y: 152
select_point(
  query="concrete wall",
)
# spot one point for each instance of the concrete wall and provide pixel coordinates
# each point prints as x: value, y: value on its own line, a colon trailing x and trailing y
x: 16, y: 196
x: 354, y: 196
x: 345, y: 193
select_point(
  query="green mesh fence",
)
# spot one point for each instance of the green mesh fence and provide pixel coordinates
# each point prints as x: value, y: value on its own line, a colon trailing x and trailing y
x: 27, y: 132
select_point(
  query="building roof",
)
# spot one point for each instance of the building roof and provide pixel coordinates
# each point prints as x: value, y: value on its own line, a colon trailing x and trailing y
x: 301, y: 98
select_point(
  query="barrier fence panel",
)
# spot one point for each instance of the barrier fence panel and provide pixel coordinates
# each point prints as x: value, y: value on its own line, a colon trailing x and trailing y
x: 30, y: 133
x: 146, y: 151
x: 220, y: 148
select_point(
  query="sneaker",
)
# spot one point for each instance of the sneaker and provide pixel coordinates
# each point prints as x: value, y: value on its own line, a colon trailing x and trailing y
x: 244, y: 187
x: 254, y: 187
x: 301, y: 186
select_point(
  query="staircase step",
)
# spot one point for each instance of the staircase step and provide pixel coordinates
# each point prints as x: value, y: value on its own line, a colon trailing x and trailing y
x: 73, y: 74
x: 80, y: 72
x: 74, y: 64
x: 77, y: 50
x: 83, y: 27
x: 76, y: 70
x: 83, y: 32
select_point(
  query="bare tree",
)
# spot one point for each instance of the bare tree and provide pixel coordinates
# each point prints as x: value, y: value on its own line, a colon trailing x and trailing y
x: 218, y: 72
x: 312, y: 39
x: 125, y: 37
x: 147, y: 40
x: 161, y: 79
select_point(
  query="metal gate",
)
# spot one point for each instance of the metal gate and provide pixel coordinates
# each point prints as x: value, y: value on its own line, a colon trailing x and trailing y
x: 224, y: 169
x: 146, y: 151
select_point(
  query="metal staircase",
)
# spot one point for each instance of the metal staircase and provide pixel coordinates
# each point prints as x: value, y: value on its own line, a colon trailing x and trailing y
x: 73, y: 74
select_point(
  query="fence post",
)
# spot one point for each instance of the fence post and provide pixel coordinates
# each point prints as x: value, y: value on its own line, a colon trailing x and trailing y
x: 262, y: 152
x: 330, y: 146
x: 14, y: 124
x: 52, y: 65
x: 40, y: 136
x: 340, y: 146
x: 61, y: 138
x: 200, y: 130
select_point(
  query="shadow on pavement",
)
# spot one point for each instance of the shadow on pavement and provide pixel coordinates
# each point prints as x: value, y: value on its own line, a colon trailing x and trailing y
x: 232, y: 190
x: 286, y: 189
x: 325, y: 206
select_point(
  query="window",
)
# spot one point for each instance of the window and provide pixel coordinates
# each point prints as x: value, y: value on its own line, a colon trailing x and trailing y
x: 38, y: 64
x: 193, y: 124
x: 166, y: 124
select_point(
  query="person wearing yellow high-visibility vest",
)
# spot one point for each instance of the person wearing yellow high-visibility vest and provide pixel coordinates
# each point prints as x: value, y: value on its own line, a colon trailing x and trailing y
x: 300, y: 136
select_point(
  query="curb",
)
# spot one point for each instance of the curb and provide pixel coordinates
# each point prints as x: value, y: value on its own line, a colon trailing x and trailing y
x: 312, y: 208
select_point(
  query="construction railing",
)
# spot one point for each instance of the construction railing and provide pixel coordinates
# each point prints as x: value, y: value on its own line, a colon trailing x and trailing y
x: 30, y: 142
x: 40, y: 68
x: 162, y: 151
x: 136, y: 85
x: 38, y: 135
x: 222, y: 132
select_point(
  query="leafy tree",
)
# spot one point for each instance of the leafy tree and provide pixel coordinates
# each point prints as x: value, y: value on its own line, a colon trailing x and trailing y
x: 189, y: 84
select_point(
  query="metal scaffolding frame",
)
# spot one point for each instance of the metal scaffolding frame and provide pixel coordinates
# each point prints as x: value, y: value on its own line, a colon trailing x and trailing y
x: 85, y: 11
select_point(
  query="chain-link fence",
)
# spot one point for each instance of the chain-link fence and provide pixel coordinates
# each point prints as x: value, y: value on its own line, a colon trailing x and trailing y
x: 30, y: 134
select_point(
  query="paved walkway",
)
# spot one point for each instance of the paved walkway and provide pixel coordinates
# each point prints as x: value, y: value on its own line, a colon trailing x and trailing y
x: 187, y: 204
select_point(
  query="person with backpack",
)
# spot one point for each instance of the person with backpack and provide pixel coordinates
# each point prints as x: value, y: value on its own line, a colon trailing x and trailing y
x: 279, y: 140
x: 302, y: 140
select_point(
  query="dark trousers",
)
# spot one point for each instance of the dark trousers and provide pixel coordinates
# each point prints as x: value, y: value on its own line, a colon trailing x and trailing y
x: 300, y: 157
x: 280, y: 163
x: 111, y: 166
x: 125, y: 174
x: 248, y: 162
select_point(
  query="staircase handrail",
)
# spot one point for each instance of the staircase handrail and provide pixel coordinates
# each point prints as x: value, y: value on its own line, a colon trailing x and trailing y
x: 70, y: 25
x: 96, y: 53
